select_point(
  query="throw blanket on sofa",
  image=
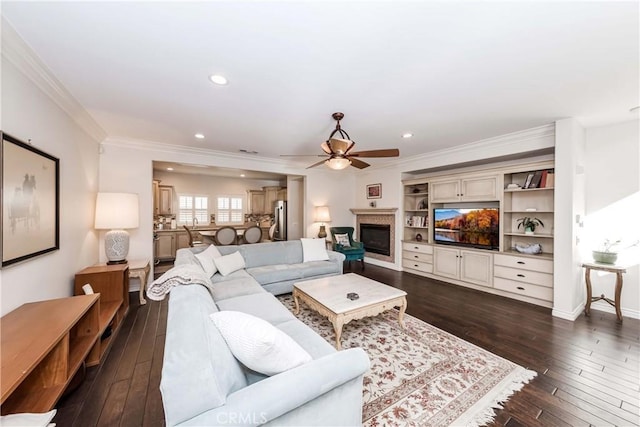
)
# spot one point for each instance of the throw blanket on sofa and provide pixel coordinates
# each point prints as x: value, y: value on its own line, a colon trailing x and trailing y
x: 186, y: 274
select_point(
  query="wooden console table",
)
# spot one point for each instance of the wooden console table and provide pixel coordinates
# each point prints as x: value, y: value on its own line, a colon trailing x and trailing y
x: 43, y: 345
x: 609, y: 268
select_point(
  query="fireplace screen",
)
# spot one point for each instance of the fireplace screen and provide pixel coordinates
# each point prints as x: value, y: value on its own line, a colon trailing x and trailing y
x: 376, y: 238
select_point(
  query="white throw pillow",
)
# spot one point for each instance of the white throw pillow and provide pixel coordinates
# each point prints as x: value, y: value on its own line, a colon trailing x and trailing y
x: 227, y: 264
x: 314, y: 250
x: 343, y: 239
x: 258, y: 344
x: 206, y: 258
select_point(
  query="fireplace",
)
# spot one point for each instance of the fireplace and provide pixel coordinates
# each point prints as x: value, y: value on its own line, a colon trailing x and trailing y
x: 376, y: 238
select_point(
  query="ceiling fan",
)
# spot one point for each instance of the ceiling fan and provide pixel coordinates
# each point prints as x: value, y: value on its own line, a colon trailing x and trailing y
x: 338, y: 150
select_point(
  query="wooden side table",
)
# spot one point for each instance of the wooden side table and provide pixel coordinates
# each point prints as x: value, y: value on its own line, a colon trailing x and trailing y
x: 609, y: 268
x: 140, y: 269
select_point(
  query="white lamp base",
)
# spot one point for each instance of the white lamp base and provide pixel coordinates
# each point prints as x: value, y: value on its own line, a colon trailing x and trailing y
x: 116, y: 246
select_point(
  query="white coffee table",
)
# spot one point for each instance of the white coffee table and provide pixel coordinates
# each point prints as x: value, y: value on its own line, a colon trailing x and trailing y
x: 328, y: 296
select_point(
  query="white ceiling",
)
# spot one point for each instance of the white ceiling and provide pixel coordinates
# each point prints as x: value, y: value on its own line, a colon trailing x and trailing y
x: 449, y: 72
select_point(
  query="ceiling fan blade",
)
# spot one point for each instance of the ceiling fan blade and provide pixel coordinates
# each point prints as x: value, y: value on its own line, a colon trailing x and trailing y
x: 303, y: 155
x: 316, y: 164
x: 389, y: 152
x: 325, y: 147
x: 359, y: 163
x: 338, y: 146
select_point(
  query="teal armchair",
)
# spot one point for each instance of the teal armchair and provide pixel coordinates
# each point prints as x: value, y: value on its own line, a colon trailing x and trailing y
x: 353, y: 251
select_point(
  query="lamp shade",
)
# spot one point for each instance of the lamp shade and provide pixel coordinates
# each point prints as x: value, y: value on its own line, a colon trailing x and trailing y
x: 116, y: 211
x: 322, y: 214
x: 337, y: 163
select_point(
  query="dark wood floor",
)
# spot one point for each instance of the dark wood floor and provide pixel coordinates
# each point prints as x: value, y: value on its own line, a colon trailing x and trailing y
x: 588, y: 370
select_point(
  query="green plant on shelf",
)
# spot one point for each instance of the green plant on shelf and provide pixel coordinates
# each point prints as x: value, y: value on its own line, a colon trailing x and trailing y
x: 529, y: 224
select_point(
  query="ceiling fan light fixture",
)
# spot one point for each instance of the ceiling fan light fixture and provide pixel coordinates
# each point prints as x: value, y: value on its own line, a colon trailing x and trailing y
x: 337, y: 163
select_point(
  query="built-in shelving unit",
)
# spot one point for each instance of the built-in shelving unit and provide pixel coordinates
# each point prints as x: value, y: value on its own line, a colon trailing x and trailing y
x: 416, y: 210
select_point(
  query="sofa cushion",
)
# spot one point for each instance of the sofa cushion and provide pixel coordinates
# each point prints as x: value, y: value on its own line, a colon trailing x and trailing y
x: 227, y: 264
x: 262, y: 305
x: 317, y: 268
x: 206, y: 259
x: 275, y: 273
x: 240, y: 274
x: 342, y: 239
x: 307, y: 338
x: 235, y: 288
x: 314, y: 250
x: 268, y: 253
x: 259, y: 345
x: 198, y: 369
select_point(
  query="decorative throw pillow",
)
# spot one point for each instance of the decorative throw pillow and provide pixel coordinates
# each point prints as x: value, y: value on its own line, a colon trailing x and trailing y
x: 258, y: 344
x: 343, y: 239
x: 206, y: 258
x: 227, y: 264
x: 314, y: 250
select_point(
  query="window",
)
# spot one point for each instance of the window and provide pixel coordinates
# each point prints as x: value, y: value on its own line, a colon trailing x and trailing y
x: 191, y: 207
x: 229, y: 210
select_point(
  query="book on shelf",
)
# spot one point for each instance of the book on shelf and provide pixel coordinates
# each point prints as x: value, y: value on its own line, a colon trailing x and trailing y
x: 417, y: 221
x: 543, y: 179
x: 527, y: 182
x: 535, y: 181
x: 551, y: 179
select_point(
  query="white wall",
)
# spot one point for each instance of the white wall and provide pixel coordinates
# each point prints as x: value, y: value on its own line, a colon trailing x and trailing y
x: 612, y: 169
x: 29, y: 113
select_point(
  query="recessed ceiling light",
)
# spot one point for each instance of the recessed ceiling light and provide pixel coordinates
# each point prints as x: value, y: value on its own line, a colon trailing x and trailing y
x: 241, y: 175
x: 169, y: 169
x: 199, y: 136
x: 407, y: 135
x: 218, y: 79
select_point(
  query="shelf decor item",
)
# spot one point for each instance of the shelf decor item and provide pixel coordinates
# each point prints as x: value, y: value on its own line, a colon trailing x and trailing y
x: 30, y: 183
x: 605, y: 254
x: 529, y: 224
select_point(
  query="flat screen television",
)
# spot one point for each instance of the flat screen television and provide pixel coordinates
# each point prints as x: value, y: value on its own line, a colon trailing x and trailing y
x: 477, y: 227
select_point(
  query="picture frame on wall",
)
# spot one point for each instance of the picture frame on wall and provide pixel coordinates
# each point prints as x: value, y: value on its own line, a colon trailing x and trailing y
x: 374, y: 191
x: 30, y: 181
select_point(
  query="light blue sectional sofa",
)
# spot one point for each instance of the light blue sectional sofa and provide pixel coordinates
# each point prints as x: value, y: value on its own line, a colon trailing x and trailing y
x: 203, y: 384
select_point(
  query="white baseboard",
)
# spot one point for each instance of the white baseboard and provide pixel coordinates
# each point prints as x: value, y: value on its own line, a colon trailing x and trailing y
x: 603, y: 306
x: 568, y: 315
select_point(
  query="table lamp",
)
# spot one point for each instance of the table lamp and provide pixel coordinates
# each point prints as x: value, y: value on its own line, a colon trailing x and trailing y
x: 116, y: 212
x: 322, y: 215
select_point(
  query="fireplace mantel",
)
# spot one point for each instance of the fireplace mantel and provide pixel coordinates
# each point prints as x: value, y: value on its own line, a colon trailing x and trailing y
x: 374, y: 211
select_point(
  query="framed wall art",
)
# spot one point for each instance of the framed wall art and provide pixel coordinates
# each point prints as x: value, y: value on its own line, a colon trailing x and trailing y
x: 30, y: 181
x: 374, y: 191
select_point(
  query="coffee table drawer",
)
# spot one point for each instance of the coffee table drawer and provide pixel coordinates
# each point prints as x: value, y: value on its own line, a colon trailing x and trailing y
x: 417, y: 265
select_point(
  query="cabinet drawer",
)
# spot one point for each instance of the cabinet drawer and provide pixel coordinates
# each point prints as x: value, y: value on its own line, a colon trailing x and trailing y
x: 417, y: 247
x: 417, y: 265
x: 417, y: 256
x: 526, y: 276
x: 541, y: 265
x: 526, y: 289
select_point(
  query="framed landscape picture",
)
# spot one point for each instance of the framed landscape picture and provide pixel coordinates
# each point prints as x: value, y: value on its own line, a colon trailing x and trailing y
x: 30, y: 201
x: 374, y: 191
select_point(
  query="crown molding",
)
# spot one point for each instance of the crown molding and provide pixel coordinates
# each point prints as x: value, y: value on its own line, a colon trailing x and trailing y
x: 15, y: 50
x: 532, y: 139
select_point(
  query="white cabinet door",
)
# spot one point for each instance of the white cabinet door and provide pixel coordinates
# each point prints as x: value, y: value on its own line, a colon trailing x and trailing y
x: 476, y: 267
x: 445, y: 262
x: 166, y: 200
x: 479, y: 189
x: 464, y: 190
x: 444, y: 191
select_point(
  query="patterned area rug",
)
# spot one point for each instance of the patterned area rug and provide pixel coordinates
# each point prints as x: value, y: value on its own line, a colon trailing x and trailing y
x: 422, y: 376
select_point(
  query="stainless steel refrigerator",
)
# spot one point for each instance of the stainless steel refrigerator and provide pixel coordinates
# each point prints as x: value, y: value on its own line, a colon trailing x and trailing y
x: 280, y: 218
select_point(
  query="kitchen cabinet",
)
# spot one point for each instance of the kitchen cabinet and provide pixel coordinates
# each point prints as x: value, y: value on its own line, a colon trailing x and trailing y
x: 270, y: 196
x: 464, y: 189
x: 165, y: 200
x: 282, y: 194
x: 182, y: 239
x: 165, y: 247
x: 256, y: 202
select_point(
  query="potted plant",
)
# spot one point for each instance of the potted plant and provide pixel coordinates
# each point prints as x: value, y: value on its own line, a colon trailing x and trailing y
x: 529, y: 224
x: 605, y: 253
